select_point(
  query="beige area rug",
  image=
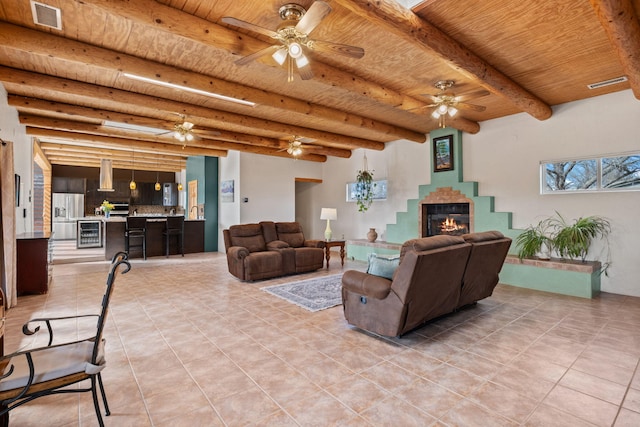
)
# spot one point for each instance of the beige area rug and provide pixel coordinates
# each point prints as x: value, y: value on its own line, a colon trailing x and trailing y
x: 312, y: 294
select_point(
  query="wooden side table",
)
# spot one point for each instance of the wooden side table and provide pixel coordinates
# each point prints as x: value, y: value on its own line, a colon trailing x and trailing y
x: 334, y: 243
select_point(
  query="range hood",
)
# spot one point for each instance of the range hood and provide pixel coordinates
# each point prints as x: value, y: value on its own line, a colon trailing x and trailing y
x: 106, y: 175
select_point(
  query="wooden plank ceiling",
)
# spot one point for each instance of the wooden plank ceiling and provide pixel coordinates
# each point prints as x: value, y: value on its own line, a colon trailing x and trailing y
x: 68, y: 83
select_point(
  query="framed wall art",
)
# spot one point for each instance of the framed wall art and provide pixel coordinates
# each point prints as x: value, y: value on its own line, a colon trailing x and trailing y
x: 443, y: 153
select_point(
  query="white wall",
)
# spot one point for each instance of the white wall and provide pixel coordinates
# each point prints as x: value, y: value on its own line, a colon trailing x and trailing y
x: 404, y: 164
x: 267, y: 182
x: 12, y: 130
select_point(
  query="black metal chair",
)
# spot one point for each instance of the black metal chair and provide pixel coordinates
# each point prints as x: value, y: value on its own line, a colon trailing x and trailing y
x: 174, y: 227
x: 30, y: 374
x: 136, y: 231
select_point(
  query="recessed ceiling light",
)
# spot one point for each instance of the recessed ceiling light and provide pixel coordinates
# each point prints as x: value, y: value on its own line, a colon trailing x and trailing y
x: 189, y: 89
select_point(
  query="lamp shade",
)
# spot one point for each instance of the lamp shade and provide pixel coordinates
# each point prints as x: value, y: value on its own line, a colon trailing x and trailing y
x: 329, y: 213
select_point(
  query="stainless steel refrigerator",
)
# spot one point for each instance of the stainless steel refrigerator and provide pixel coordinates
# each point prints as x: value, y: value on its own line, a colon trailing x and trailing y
x: 66, y: 210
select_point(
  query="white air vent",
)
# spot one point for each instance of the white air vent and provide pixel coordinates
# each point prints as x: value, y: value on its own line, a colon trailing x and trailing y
x: 46, y: 15
x: 607, y: 82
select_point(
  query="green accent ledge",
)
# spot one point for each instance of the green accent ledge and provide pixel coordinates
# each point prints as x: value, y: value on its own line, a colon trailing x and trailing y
x: 559, y: 276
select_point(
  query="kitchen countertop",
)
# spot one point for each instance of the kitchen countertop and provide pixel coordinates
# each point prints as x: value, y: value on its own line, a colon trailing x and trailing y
x: 150, y: 218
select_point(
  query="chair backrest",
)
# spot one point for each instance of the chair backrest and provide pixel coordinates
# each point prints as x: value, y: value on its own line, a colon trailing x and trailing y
x: 118, y: 262
x: 481, y: 276
x: 175, y: 222
x: 290, y: 232
x: 428, y: 279
x: 136, y: 222
x: 245, y: 235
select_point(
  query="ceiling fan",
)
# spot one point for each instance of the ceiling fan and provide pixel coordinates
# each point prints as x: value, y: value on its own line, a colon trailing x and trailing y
x: 447, y: 103
x: 185, y: 132
x: 293, y: 38
x: 296, y: 145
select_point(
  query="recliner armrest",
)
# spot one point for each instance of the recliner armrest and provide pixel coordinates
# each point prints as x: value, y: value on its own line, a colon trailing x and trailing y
x: 238, y: 252
x: 314, y: 243
x: 366, y: 284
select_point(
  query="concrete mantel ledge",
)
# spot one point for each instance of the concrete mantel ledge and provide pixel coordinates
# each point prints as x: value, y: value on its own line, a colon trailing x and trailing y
x: 588, y: 267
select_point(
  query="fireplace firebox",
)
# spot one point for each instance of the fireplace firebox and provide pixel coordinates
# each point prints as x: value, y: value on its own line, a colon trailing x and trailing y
x: 445, y: 218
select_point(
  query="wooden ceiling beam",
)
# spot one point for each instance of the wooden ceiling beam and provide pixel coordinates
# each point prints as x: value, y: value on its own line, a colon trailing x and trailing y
x: 622, y: 25
x: 62, y: 136
x: 171, y: 20
x: 126, y: 163
x: 95, y: 163
x: 19, y: 40
x: 125, y: 143
x: 393, y: 17
x: 37, y: 107
x: 99, y: 130
x: 51, y: 147
x: 25, y: 83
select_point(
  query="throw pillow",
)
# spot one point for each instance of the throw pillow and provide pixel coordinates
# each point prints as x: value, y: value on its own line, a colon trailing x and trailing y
x: 383, y: 266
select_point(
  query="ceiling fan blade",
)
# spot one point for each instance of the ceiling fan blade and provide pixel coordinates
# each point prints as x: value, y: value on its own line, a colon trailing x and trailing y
x: 249, y: 26
x: 433, y: 98
x: 316, y: 13
x: 206, y: 132
x: 341, y: 49
x: 473, y: 94
x: 467, y: 106
x: 304, y: 139
x: 422, y: 107
x: 258, y: 54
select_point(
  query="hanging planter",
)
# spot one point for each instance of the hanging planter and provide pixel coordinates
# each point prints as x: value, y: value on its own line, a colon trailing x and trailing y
x: 364, y: 187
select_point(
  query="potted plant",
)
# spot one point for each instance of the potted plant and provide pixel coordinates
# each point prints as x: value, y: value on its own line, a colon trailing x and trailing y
x: 574, y: 240
x: 536, y: 240
x: 364, y: 189
x: 569, y: 240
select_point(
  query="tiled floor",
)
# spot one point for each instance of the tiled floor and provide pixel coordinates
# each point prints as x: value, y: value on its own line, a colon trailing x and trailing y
x: 189, y: 345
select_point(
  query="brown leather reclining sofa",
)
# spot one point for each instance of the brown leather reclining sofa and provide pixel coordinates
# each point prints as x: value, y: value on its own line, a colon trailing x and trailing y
x: 436, y: 276
x: 270, y: 249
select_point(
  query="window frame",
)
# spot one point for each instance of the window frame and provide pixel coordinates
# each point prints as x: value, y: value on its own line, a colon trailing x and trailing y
x: 544, y: 190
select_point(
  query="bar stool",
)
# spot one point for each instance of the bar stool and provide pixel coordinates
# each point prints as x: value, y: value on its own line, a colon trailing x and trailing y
x: 174, y: 227
x: 136, y: 229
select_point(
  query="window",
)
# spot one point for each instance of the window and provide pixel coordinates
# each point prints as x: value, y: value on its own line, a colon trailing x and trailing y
x: 621, y: 172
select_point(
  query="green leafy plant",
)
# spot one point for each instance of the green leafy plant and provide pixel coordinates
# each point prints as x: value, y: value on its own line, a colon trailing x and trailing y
x: 536, y: 239
x: 364, y: 189
x: 574, y: 240
x: 569, y: 240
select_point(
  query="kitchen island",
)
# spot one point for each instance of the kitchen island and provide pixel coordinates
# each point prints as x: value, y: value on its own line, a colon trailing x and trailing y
x: 114, y: 229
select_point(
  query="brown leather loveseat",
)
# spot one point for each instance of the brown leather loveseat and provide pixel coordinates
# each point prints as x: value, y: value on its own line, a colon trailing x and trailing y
x: 270, y: 249
x: 435, y: 276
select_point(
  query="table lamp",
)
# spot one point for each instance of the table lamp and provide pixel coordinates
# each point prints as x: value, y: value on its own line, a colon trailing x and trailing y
x: 328, y: 214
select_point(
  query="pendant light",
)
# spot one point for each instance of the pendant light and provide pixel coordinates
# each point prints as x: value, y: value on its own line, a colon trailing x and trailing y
x: 157, y: 187
x: 132, y: 184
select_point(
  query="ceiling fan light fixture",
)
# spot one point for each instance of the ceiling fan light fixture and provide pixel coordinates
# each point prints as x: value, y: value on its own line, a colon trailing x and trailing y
x: 302, y: 61
x: 280, y: 55
x: 435, y: 114
x: 295, y: 50
x: 189, y: 137
x: 442, y: 109
x: 452, y: 111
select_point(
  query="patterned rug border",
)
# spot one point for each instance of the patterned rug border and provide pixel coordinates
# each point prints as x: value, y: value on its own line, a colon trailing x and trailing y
x: 331, y: 297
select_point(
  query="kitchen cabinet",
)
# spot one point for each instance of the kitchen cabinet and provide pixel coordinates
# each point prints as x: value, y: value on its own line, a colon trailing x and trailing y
x: 32, y: 263
x: 67, y: 185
